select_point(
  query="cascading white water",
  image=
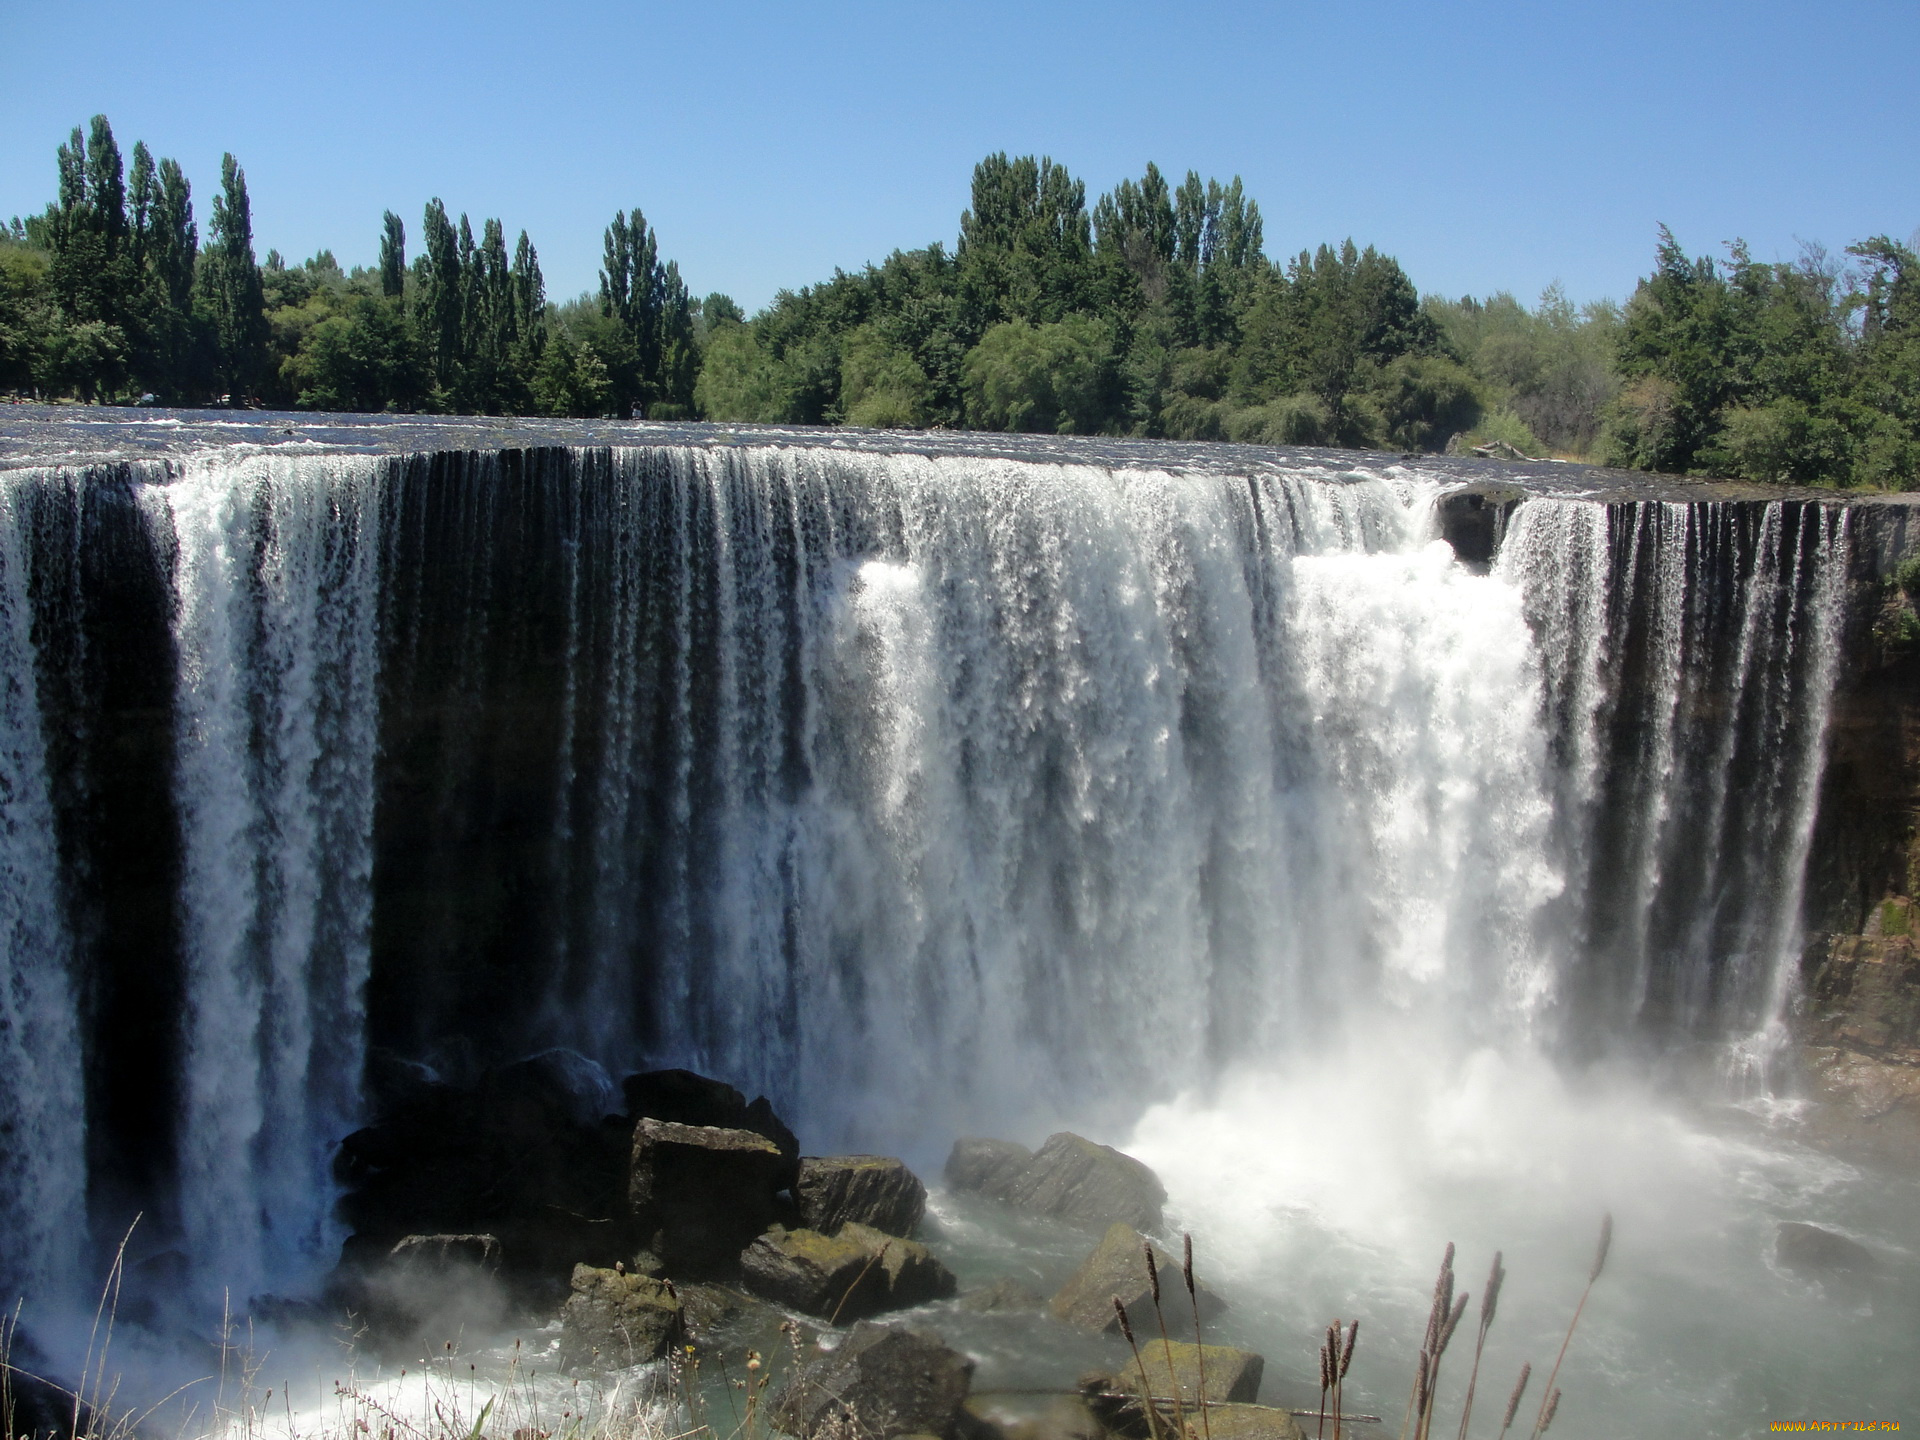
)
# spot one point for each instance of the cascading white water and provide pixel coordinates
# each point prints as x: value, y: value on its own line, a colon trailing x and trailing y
x: 940, y: 793
x: 275, y: 576
x: 42, y: 1123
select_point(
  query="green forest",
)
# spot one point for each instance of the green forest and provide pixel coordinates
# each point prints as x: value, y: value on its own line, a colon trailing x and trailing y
x: 1155, y: 311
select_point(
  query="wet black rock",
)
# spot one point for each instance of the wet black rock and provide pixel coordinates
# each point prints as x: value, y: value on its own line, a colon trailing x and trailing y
x: 882, y: 1382
x: 865, y: 1189
x: 1070, y: 1177
x: 523, y: 1152
x: 1117, y: 1268
x: 685, y: 1098
x: 698, y: 1194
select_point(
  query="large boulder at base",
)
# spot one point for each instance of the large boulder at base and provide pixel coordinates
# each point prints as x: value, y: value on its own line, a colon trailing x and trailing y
x: 1118, y: 1268
x: 847, y: 1276
x: 867, y: 1189
x: 1070, y: 1177
x: 1075, y: 1179
x: 698, y: 1194
x: 613, y: 1320
x: 523, y: 1151
x: 883, y: 1381
x: 1814, y: 1254
x: 979, y: 1166
x: 685, y: 1098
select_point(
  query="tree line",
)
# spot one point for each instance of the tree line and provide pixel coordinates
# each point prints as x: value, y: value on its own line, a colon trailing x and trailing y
x: 1153, y: 311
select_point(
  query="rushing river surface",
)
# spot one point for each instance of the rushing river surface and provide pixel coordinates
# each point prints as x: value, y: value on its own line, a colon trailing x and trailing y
x: 1199, y: 798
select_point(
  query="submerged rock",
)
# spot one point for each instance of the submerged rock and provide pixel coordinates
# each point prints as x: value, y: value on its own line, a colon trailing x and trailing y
x: 883, y: 1381
x: 613, y: 1320
x: 1117, y: 1268
x: 1000, y: 1296
x: 1835, y: 1261
x: 849, y: 1275
x: 1069, y: 1177
x: 1251, y: 1422
x: 867, y: 1189
x: 699, y: 1194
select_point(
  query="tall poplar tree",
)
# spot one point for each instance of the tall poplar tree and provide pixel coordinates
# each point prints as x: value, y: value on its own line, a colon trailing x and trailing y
x: 393, y: 257
x: 230, y: 289
x: 438, y: 299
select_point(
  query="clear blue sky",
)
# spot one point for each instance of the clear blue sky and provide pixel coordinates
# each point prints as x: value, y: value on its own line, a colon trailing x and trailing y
x: 1489, y: 146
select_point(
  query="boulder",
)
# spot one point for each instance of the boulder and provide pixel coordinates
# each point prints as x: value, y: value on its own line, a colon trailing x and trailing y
x: 1075, y: 1179
x: 1174, y: 1369
x: 698, y: 1194
x: 913, y: 1276
x: 806, y: 1271
x: 1118, y: 1267
x: 523, y: 1152
x: 1836, y: 1262
x: 883, y: 1381
x: 685, y: 1098
x: 867, y: 1189
x: 613, y: 1320
x: 978, y: 1166
x: 846, y: 1276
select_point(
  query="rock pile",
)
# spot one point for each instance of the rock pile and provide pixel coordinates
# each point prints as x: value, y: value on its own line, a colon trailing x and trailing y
x: 520, y: 1182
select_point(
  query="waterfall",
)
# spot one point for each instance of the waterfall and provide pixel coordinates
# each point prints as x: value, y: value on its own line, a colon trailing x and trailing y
x: 923, y: 792
x: 42, y: 1127
x: 1689, y: 655
x: 274, y: 632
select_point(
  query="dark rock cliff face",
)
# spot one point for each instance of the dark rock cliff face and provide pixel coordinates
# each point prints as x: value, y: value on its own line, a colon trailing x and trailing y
x: 1858, y: 1016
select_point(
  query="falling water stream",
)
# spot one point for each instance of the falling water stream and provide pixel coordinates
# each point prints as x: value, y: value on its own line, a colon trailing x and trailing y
x: 1212, y: 808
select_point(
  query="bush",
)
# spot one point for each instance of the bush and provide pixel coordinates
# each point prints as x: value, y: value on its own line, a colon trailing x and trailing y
x: 1054, y: 377
x: 1289, y: 420
x: 881, y: 385
x: 1425, y: 400
x: 740, y: 380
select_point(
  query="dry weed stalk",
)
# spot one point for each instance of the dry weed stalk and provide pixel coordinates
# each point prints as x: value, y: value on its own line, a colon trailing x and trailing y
x: 1489, y: 1303
x: 1140, y: 1365
x: 1199, y: 1345
x: 1166, y: 1346
x: 1552, y: 1400
x: 1513, y: 1400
